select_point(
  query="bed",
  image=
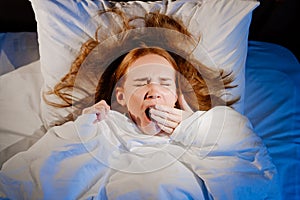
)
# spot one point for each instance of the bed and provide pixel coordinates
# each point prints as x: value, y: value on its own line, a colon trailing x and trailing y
x: 271, y: 96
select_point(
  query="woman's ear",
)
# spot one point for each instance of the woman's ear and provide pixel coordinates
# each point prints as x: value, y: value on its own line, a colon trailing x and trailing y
x: 120, y: 96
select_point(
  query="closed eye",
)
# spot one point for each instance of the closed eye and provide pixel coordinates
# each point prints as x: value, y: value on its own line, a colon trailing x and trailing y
x: 166, y: 81
x: 140, y: 84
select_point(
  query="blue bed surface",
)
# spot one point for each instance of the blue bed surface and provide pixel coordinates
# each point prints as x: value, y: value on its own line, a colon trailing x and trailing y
x: 272, y: 103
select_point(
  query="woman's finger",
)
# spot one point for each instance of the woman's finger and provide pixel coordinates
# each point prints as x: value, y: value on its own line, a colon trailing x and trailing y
x: 173, y: 114
x: 184, y: 113
x: 164, y: 121
x: 165, y: 115
x: 166, y: 129
x: 168, y: 109
x: 100, y: 109
x: 102, y: 104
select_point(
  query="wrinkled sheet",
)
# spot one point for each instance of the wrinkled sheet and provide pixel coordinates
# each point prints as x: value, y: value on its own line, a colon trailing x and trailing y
x: 210, y: 155
x: 20, y: 117
x: 272, y: 105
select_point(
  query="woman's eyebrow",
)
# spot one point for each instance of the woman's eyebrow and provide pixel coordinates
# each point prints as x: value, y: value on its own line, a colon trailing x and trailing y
x: 147, y: 79
x: 165, y: 78
x: 141, y: 79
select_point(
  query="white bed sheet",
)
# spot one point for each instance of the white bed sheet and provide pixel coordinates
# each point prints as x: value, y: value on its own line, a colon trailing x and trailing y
x: 112, y: 159
x: 20, y: 122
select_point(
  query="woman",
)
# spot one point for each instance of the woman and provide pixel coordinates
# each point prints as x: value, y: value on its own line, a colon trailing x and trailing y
x: 203, y: 87
x: 175, y: 140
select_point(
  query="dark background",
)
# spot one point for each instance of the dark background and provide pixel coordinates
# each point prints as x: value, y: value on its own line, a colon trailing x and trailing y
x: 275, y: 21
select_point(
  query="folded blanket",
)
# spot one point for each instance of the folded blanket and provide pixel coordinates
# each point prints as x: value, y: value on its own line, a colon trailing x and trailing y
x: 210, y: 155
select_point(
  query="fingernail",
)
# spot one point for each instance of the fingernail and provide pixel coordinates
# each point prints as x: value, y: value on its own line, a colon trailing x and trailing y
x: 149, y: 111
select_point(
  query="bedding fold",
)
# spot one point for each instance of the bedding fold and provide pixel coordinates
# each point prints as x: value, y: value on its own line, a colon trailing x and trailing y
x: 211, y: 155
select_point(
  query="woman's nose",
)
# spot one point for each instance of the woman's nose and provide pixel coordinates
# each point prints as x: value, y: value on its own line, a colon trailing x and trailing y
x: 152, y: 96
x: 153, y: 92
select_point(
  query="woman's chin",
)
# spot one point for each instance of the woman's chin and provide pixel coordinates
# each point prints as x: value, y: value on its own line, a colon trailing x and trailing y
x: 151, y: 128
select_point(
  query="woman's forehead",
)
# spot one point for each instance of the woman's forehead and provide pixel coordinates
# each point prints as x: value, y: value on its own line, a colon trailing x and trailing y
x: 151, y: 70
x: 150, y: 59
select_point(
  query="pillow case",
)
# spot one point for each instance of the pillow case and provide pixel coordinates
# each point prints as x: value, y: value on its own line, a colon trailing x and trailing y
x: 63, y: 26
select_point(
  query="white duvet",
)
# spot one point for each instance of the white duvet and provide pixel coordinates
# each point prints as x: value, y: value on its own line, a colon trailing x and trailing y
x: 211, y: 155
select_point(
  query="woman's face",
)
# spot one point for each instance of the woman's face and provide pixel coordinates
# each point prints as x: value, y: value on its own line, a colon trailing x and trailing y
x: 150, y: 80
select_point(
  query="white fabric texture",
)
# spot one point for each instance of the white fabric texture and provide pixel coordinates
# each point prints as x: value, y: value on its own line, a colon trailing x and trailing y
x: 63, y: 26
x: 20, y: 119
x: 113, y: 160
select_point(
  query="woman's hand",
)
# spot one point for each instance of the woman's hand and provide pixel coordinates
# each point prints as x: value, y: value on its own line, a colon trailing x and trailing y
x: 169, y: 118
x: 100, y: 109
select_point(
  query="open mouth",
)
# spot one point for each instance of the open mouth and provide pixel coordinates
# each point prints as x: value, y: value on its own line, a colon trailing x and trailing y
x: 147, y: 112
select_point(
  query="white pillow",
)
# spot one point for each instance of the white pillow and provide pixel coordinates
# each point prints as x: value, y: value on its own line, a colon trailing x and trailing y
x: 63, y: 26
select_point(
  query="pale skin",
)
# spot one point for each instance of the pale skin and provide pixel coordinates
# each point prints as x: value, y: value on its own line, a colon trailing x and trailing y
x: 149, y: 94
